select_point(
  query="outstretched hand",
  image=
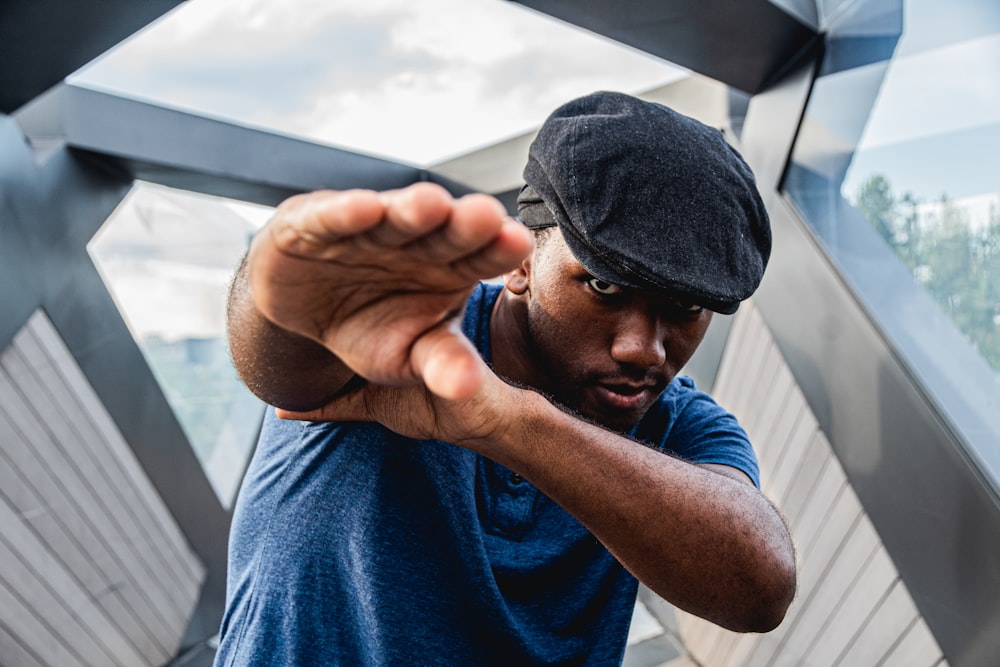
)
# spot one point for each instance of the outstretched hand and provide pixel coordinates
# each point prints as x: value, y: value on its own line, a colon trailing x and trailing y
x: 380, y: 279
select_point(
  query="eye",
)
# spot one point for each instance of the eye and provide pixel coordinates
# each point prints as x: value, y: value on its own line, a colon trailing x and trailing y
x: 687, y: 307
x: 602, y: 287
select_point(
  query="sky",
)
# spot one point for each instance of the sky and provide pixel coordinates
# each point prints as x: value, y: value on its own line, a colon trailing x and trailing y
x: 935, y: 124
x: 419, y: 82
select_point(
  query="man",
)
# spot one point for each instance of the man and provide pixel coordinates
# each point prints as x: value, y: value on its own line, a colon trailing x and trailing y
x: 464, y: 480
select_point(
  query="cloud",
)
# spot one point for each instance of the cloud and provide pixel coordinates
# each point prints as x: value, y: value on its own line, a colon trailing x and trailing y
x: 416, y: 82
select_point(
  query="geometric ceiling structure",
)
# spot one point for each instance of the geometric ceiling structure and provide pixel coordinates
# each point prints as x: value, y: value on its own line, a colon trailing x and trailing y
x: 71, y: 152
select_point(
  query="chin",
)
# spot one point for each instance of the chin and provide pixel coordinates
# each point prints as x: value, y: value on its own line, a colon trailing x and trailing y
x: 616, y: 422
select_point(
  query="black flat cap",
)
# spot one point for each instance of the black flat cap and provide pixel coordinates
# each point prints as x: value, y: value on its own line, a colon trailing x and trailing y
x: 648, y: 198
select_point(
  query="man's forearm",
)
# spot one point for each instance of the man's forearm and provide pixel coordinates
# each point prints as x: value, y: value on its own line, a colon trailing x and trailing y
x: 281, y: 368
x: 702, y: 540
x: 710, y: 544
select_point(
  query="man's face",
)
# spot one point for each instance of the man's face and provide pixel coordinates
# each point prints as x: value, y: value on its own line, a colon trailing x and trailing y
x: 604, y: 351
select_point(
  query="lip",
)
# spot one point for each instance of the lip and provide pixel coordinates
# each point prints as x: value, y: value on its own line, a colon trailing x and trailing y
x: 625, y: 396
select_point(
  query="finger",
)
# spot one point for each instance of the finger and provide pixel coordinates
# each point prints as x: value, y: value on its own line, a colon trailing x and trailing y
x: 312, y: 225
x: 448, y: 363
x: 410, y: 213
x: 512, y: 244
x: 319, y: 415
x: 341, y: 409
x: 474, y: 223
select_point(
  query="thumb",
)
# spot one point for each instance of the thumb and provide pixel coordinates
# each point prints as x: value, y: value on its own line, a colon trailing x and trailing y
x: 448, y: 363
x: 350, y: 404
x: 346, y: 408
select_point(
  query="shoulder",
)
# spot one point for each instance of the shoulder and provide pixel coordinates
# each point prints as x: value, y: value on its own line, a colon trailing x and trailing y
x: 476, y: 322
x: 689, y: 423
x: 681, y: 399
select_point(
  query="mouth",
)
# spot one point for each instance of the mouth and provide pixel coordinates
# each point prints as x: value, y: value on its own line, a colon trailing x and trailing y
x: 625, y: 396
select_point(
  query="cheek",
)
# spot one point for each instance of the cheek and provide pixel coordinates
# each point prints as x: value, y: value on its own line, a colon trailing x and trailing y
x: 563, y: 335
x: 572, y: 322
x: 689, y: 338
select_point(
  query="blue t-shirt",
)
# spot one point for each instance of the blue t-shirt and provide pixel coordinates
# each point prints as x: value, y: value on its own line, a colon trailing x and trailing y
x: 352, y: 545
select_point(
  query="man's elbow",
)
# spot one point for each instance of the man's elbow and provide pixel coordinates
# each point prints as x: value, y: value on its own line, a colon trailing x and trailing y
x: 775, y: 594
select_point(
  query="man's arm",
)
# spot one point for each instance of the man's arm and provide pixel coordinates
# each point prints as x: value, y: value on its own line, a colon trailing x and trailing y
x: 702, y: 537
x: 282, y: 368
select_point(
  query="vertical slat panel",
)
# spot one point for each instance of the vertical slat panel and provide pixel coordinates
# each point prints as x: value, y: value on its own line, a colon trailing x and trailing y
x: 42, y: 503
x: 165, y: 533
x: 827, y: 592
x: 33, y: 574
x: 32, y: 631
x: 97, y: 465
x: 781, y: 473
x: 835, y: 517
x: 881, y: 629
x: 93, y: 569
x: 779, y: 430
x: 825, y: 516
x: 767, y: 403
x: 851, y: 608
x: 743, y: 361
x: 773, y: 418
x: 98, y: 491
x: 739, y: 338
x: 742, y: 400
x: 13, y: 653
x: 44, y: 462
x: 871, y: 586
x: 792, y: 499
x: 916, y: 649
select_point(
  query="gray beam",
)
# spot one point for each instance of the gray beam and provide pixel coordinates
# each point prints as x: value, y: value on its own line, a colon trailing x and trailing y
x: 749, y: 44
x: 191, y: 152
x: 48, y: 213
x: 43, y: 41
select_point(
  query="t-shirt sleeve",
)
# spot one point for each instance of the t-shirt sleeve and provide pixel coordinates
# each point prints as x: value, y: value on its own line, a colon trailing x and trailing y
x: 689, y: 424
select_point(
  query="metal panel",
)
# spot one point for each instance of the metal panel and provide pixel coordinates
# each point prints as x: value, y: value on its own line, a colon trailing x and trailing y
x: 43, y: 41
x: 51, y: 208
x: 895, y: 614
x: 191, y: 152
x: 907, y: 467
x: 88, y: 547
x: 762, y: 42
x: 847, y: 582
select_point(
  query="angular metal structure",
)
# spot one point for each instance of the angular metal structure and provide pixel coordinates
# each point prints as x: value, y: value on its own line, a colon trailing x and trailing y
x: 68, y: 156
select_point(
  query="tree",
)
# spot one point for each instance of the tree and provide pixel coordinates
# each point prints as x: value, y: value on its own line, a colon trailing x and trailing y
x: 958, y: 266
x: 877, y: 203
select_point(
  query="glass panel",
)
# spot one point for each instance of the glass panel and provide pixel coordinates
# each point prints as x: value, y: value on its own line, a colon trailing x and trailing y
x: 167, y: 257
x: 895, y: 169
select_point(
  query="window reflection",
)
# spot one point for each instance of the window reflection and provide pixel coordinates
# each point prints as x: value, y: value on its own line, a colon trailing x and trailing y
x: 895, y: 169
x: 167, y: 257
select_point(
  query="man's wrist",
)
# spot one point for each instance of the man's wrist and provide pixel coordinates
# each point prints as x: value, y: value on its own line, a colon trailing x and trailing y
x: 518, y: 414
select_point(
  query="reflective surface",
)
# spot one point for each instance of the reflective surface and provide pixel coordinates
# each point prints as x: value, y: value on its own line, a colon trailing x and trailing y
x: 895, y: 169
x: 167, y: 258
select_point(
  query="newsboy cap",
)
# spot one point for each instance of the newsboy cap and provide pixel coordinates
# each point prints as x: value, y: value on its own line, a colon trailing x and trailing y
x: 648, y: 198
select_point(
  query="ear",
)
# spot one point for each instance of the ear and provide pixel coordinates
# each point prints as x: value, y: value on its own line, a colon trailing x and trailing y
x: 518, y: 280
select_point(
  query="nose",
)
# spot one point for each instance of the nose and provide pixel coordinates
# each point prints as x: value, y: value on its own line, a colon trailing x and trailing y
x: 639, y: 339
